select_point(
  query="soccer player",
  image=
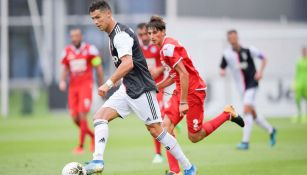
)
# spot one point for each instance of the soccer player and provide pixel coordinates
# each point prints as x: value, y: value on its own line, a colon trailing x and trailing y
x: 241, y: 62
x: 188, y: 97
x: 152, y: 55
x: 301, y: 84
x: 78, y: 59
x: 136, y: 94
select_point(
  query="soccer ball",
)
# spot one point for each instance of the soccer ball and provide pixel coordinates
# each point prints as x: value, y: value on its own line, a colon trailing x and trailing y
x: 73, y: 168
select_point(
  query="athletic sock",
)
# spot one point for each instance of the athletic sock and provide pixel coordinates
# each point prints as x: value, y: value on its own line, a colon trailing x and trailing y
x: 248, y: 120
x: 171, y: 144
x: 172, y: 162
x: 157, y: 146
x: 263, y: 123
x: 83, y: 130
x: 101, y: 138
x: 213, y: 124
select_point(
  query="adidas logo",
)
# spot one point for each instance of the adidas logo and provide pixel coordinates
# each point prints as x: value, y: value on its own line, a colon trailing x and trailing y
x: 167, y: 148
x: 102, y: 140
x: 148, y: 120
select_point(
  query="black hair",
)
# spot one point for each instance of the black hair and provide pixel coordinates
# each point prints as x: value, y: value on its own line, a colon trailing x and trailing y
x: 141, y: 25
x: 232, y: 31
x: 157, y: 23
x: 99, y: 5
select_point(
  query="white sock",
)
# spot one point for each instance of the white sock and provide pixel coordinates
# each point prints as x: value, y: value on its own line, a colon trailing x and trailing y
x: 248, y: 120
x: 263, y: 123
x: 172, y: 145
x: 101, y: 138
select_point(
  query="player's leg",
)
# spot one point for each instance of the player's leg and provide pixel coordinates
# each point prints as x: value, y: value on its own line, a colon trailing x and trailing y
x: 74, y: 112
x: 172, y: 118
x: 250, y: 102
x: 197, y: 130
x: 115, y: 106
x: 151, y: 115
x: 158, y: 156
x: 85, y: 102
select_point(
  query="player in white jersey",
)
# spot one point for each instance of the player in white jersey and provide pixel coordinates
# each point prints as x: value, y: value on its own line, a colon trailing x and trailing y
x: 136, y: 94
x: 241, y: 62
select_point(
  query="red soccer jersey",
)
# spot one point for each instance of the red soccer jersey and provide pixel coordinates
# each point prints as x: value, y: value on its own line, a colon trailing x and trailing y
x: 78, y: 61
x: 171, y: 54
x: 152, y: 55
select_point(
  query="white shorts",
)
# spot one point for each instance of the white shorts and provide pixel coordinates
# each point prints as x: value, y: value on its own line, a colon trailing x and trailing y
x: 249, y: 97
x: 146, y: 107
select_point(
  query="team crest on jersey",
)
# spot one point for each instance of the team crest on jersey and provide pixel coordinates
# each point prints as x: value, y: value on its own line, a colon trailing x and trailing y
x: 153, y: 49
x: 244, y: 56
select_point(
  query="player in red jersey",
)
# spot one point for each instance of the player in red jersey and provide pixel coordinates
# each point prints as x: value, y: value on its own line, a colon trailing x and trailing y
x: 152, y: 55
x: 188, y: 97
x: 78, y: 59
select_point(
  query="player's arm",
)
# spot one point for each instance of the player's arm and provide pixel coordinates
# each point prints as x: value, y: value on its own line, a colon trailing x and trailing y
x: 123, y: 43
x: 63, y: 77
x: 256, y: 53
x: 184, y: 86
x: 263, y: 64
x: 223, y: 66
x: 165, y: 83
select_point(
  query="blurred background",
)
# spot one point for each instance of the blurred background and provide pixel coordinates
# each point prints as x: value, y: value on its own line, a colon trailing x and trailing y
x: 37, y: 134
x: 34, y: 33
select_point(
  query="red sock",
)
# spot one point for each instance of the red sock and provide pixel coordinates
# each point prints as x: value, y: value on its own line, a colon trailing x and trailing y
x: 89, y: 131
x: 83, y: 130
x: 213, y: 124
x: 157, y: 146
x: 172, y: 162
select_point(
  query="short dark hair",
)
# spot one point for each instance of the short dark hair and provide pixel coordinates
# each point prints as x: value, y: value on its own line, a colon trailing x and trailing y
x: 142, y: 25
x: 157, y: 23
x: 99, y: 5
x: 232, y: 31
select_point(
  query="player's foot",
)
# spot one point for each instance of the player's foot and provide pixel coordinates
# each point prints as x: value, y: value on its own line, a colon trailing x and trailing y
x: 191, y: 171
x: 273, y: 137
x: 243, y: 146
x: 92, y: 146
x: 94, y: 166
x: 157, y: 159
x: 235, y: 117
x: 173, y: 173
x: 78, y: 150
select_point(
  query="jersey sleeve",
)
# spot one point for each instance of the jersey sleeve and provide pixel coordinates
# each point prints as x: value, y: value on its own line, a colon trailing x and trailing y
x: 256, y: 53
x: 123, y: 43
x: 223, y: 64
x: 172, y: 53
x: 64, y: 60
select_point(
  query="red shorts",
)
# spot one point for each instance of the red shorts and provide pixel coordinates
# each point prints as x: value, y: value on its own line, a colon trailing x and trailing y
x: 195, y: 114
x: 160, y: 96
x: 80, y: 99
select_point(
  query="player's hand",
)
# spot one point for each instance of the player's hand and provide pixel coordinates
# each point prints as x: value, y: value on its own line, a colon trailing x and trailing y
x: 258, y: 76
x: 222, y: 72
x: 183, y: 109
x: 62, y: 85
x: 103, y: 89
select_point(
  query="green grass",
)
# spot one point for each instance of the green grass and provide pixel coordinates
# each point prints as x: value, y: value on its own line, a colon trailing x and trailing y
x: 42, y: 146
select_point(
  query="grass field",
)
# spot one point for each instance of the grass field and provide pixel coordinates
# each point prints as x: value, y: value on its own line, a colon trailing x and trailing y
x: 41, y: 145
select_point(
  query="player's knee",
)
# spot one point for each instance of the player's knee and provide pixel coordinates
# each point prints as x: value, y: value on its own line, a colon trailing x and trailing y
x: 167, y: 124
x: 248, y: 109
x: 194, y: 138
x: 154, y: 129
